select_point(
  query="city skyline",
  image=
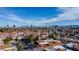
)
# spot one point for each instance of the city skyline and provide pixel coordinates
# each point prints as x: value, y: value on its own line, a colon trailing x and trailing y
x: 39, y: 16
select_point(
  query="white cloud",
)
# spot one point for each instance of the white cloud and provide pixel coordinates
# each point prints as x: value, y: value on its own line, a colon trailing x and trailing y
x: 67, y: 14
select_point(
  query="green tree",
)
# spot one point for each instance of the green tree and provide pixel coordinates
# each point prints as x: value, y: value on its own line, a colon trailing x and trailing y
x: 1, y: 30
x: 16, y: 39
x: 7, y: 40
x: 19, y: 47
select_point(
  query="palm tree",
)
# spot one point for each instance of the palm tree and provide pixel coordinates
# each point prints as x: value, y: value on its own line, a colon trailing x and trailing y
x: 18, y: 45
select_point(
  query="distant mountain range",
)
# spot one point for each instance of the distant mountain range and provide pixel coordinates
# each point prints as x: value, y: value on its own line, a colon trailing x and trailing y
x: 72, y: 26
x: 52, y: 26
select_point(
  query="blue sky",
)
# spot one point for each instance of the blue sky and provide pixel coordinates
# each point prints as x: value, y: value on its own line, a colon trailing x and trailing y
x: 39, y: 16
